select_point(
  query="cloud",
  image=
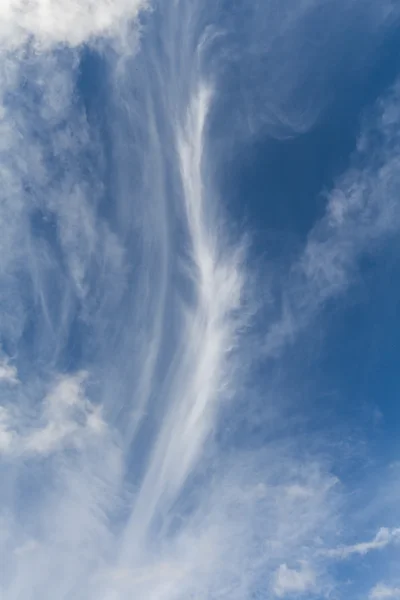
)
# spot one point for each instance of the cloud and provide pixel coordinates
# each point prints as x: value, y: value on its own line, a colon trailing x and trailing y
x: 287, y: 55
x: 72, y: 22
x: 361, y: 213
x: 67, y: 420
x: 382, y: 591
x: 125, y: 300
x: 8, y: 373
x: 6, y: 436
x: 294, y: 581
x: 383, y: 538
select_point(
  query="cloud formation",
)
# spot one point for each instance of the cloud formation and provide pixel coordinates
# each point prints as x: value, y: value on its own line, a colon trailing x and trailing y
x: 67, y: 419
x: 294, y: 581
x: 361, y: 213
x: 383, y: 538
x: 126, y: 308
x: 381, y: 591
x: 73, y: 22
x: 8, y: 373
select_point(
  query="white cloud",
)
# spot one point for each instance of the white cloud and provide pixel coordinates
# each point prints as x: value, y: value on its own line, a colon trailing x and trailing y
x: 6, y: 436
x: 156, y: 512
x: 8, y: 373
x: 26, y: 548
x: 70, y: 22
x: 383, y: 538
x: 382, y: 592
x: 294, y: 581
x: 67, y: 419
x: 361, y: 210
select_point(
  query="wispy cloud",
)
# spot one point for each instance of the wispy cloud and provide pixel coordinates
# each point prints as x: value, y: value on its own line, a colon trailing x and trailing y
x: 361, y: 213
x: 294, y: 581
x: 124, y: 302
x: 8, y: 373
x: 73, y: 22
x: 383, y: 538
x: 67, y: 419
x: 381, y: 591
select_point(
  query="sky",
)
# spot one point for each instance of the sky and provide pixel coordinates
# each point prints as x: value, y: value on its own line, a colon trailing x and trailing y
x: 199, y: 314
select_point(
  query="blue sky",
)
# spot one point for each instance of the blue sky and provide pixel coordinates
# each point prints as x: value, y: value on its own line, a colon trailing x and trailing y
x: 199, y: 314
